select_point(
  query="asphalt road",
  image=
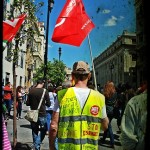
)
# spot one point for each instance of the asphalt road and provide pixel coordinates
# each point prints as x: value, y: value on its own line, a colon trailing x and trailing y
x: 24, y: 135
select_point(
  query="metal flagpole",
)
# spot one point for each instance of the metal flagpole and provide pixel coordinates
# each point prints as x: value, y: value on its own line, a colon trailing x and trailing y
x: 92, y: 63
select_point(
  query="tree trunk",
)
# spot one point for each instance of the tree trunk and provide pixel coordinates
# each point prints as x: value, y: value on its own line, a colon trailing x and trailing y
x: 14, y: 94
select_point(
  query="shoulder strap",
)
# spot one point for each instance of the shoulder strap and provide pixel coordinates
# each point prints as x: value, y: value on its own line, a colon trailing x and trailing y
x: 41, y: 99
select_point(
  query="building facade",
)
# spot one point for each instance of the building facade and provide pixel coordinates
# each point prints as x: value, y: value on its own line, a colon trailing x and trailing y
x: 35, y: 54
x: 7, y: 64
x: 68, y: 74
x: 30, y: 53
x: 117, y: 63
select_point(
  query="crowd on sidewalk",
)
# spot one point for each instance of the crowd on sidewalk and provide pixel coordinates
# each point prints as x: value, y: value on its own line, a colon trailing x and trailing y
x: 76, y: 107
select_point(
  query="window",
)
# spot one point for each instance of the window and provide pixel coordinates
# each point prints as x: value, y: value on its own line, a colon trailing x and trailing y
x: 121, y: 59
x: 4, y: 8
x: 16, y: 78
x: 7, y: 77
x: 9, y: 52
x: 134, y: 57
x: 34, y: 63
x: 21, y: 61
x: 20, y: 80
x: 25, y: 80
x: 133, y: 41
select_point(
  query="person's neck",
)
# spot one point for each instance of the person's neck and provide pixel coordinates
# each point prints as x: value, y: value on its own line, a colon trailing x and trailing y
x: 39, y: 86
x: 81, y: 84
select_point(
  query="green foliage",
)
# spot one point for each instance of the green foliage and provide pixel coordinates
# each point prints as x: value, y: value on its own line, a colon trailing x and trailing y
x: 55, y: 72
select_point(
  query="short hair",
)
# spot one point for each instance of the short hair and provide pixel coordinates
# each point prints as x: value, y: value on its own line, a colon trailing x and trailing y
x: 40, y: 82
x: 80, y: 77
x: 7, y: 83
x: 51, y: 88
x: 18, y: 88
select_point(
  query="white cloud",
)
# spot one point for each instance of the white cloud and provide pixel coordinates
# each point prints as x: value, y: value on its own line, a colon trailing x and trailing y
x: 120, y: 18
x: 105, y: 11
x: 111, y: 21
x: 50, y: 46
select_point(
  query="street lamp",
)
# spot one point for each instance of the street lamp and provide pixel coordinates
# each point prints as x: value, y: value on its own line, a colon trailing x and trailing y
x: 59, y: 50
x: 50, y: 6
x: 111, y: 67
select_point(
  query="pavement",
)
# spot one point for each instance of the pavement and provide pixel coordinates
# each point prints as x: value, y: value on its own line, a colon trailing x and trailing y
x: 24, y: 135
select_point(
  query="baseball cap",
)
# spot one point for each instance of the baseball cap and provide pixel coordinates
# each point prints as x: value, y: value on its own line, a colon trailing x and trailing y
x: 81, y: 67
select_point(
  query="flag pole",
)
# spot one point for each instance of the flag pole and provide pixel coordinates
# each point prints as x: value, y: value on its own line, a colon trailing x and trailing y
x: 92, y: 63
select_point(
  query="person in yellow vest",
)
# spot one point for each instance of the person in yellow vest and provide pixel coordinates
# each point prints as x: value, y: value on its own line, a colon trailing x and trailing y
x: 79, y: 114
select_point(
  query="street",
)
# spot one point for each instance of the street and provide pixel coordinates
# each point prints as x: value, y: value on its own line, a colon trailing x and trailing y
x: 24, y: 135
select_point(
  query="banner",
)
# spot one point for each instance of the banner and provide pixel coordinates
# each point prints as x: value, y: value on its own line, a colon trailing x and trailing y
x: 11, y: 27
x: 73, y: 24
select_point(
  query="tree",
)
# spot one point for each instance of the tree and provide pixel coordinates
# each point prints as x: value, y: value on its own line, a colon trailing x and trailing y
x: 26, y: 32
x: 55, y: 72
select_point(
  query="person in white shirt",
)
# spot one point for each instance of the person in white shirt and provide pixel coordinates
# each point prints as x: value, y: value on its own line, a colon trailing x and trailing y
x: 49, y: 110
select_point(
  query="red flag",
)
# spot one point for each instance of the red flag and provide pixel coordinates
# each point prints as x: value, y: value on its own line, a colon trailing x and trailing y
x: 73, y: 24
x: 11, y: 27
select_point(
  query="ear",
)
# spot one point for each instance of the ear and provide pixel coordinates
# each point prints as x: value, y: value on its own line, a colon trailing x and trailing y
x: 89, y: 76
x: 73, y: 81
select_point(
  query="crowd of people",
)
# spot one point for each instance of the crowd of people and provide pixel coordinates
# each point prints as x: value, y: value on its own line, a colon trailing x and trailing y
x: 7, y: 100
x: 74, y: 113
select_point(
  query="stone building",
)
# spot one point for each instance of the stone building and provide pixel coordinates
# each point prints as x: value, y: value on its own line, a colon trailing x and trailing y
x: 118, y: 62
x: 68, y: 74
x: 35, y: 54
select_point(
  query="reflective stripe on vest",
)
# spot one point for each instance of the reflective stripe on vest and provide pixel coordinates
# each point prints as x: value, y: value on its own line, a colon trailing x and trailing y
x: 83, y: 118
x: 78, y: 141
x: 79, y: 128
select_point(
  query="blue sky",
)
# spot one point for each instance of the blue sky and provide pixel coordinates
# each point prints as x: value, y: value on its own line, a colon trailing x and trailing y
x: 110, y: 17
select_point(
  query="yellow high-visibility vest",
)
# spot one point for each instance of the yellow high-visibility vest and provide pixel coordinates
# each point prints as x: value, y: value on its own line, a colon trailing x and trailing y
x: 79, y: 128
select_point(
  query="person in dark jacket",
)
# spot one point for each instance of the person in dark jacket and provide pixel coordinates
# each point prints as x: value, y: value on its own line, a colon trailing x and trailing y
x: 110, y: 94
x: 39, y: 128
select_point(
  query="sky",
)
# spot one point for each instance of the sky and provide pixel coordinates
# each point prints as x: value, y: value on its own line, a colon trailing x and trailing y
x: 110, y: 17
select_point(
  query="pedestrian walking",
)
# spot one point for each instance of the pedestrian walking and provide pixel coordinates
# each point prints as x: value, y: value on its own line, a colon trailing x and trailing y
x: 23, y: 91
x: 7, y: 98
x: 4, y: 109
x: 134, y: 120
x: 121, y: 102
x: 49, y: 110
x: 39, y: 128
x: 142, y: 87
x: 19, y: 101
x: 79, y: 114
x: 110, y: 94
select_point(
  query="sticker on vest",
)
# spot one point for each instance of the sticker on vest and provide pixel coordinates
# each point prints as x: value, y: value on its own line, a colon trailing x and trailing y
x: 94, y: 110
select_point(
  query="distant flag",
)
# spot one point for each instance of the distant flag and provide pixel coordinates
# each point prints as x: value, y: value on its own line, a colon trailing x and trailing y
x: 73, y: 24
x: 11, y: 27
